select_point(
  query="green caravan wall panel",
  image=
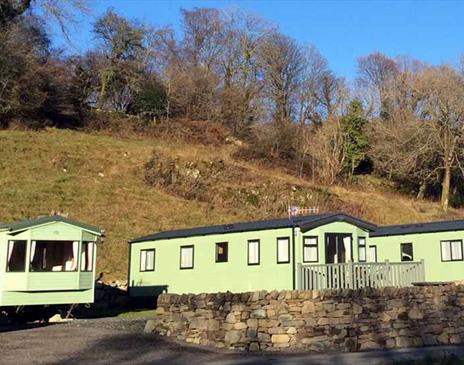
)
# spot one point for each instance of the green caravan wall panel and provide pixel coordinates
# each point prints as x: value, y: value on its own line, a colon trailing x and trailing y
x: 39, y: 281
x: 57, y: 231
x: 14, y: 280
x: 86, y: 280
x: 207, y: 275
x: 235, y: 275
x: 87, y: 236
x: 426, y: 246
x: 13, y: 298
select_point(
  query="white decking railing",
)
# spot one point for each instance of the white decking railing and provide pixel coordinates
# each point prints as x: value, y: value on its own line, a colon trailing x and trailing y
x: 355, y: 275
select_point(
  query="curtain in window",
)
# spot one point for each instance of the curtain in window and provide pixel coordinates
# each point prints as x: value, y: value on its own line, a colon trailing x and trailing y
x: 372, y: 254
x: 456, y: 250
x: 186, y: 257
x: 10, y: 250
x: 89, y: 249
x: 446, y: 251
x: 75, y: 255
x: 253, y: 252
x: 347, y: 246
x: 33, y: 246
x: 150, y: 261
x: 282, y: 250
x: 310, y: 249
x: 143, y: 260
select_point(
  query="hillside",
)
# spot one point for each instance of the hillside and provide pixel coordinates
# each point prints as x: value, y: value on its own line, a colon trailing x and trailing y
x: 100, y: 180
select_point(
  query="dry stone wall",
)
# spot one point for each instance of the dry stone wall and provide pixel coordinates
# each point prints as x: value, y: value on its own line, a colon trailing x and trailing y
x: 346, y: 320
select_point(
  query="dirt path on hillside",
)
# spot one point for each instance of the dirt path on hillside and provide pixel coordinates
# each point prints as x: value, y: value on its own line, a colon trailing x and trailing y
x: 118, y: 341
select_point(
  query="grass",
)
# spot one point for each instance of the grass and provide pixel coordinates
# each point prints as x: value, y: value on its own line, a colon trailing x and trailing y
x: 138, y: 314
x: 98, y: 179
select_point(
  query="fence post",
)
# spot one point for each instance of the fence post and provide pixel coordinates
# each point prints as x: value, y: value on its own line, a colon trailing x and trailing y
x: 422, y: 271
x: 300, y: 277
x: 388, y: 276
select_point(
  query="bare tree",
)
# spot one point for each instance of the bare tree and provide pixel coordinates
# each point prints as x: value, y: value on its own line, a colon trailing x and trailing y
x: 374, y: 71
x: 442, y: 92
x: 282, y: 61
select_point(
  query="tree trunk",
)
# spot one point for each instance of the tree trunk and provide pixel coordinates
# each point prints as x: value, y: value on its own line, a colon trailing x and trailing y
x: 445, y: 187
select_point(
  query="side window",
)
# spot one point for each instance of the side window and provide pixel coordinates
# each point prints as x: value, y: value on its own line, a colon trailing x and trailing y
x: 310, y: 249
x: 222, y: 251
x: 362, y: 249
x: 373, y: 253
x: 253, y: 252
x: 87, y: 256
x: 16, y: 259
x: 186, y: 257
x: 283, y: 250
x: 451, y: 250
x: 406, y: 252
x: 147, y: 260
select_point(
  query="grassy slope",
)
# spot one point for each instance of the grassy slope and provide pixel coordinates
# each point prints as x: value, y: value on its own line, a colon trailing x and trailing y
x: 99, y: 180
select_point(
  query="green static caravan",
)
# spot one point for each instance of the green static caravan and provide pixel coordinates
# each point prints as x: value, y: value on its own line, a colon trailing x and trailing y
x: 438, y: 244
x: 244, y: 256
x: 47, y: 261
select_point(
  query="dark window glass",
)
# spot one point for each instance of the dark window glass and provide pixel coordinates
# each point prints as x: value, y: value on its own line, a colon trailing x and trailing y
x: 406, y: 252
x: 221, y: 252
x: 16, y: 259
x: 54, y: 255
x: 362, y: 249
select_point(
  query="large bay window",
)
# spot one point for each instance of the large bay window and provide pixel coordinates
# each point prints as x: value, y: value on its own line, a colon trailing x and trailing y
x: 16, y: 260
x: 54, y: 255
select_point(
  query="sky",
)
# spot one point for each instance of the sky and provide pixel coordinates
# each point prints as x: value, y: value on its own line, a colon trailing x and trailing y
x: 432, y: 31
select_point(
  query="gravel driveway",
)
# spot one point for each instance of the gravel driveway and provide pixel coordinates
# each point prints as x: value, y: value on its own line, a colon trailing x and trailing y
x: 118, y: 341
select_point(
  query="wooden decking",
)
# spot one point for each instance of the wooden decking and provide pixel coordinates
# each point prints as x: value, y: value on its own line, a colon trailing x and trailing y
x: 356, y: 275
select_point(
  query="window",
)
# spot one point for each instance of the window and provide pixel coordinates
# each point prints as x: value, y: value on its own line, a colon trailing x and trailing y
x: 186, y: 257
x: 310, y: 249
x: 253, y: 252
x: 372, y: 254
x: 406, y: 251
x: 54, y: 255
x: 362, y: 249
x: 147, y: 260
x: 87, y: 256
x: 451, y: 250
x: 222, y: 251
x: 16, y: 260
x: 283, y: 250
